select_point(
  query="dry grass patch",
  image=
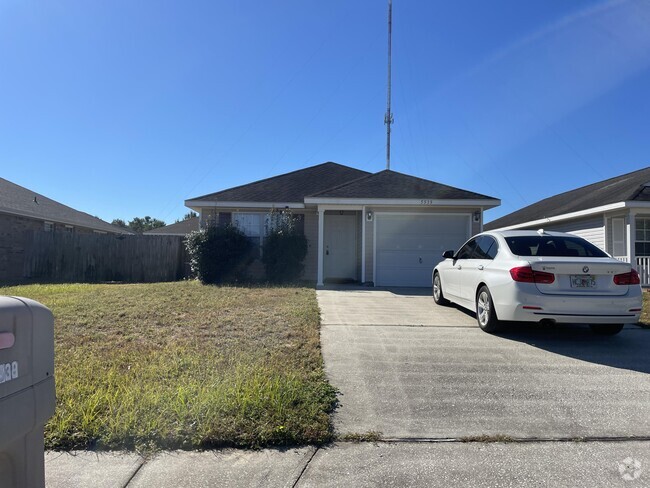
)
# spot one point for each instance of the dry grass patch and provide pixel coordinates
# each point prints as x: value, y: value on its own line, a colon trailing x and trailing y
x: 183, y: 365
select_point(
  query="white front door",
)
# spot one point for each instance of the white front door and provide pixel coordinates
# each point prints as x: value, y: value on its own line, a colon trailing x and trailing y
x: 340, y: 254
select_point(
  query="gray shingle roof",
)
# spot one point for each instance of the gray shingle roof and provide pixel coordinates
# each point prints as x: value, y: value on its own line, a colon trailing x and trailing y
x: 178, y: 228
x: 17, y: 200
x: 627, y: 187
x: 391, y: 184
x: 289, y: 187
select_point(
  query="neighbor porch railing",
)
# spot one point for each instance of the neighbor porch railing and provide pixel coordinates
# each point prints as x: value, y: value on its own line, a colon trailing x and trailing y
x: 643, y: 267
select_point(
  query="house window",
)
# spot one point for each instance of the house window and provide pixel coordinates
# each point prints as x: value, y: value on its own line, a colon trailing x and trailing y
x: 251, y: 224
x: 69, y: 229
x: 642, y: 244
x: 48, y: 226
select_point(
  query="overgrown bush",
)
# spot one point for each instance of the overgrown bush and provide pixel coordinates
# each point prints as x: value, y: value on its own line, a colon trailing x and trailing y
x: 218, y: 253
x: 284, y: 248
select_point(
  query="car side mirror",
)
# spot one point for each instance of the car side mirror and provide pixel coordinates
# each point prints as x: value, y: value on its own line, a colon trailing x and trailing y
x: 448, y: 254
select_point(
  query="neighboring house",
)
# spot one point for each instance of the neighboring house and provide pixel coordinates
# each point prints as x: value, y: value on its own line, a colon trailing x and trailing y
x: 613, y: 214
x: 181, y: 228
x: 23, y: 210
x: 384, y: 228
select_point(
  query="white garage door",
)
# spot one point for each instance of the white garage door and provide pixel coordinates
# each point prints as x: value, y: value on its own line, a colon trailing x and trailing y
x: 408, y: 246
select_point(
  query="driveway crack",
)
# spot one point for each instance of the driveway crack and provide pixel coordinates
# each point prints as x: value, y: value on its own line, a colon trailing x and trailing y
x: 302, y: 472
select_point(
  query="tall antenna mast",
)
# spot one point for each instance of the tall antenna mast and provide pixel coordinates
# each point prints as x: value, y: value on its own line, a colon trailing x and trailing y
x: 388, y: 118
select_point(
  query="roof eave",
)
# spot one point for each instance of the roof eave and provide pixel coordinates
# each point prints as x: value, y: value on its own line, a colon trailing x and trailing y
x: 575, y: 215
x: 197, y: 204
x: 43, y: 218
x: 407, y: 202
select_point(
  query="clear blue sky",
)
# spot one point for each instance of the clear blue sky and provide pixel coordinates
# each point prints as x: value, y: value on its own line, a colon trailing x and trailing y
x: 126, y: 108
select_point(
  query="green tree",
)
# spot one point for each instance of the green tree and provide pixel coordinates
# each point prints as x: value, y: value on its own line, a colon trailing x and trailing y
x: 141, y: 225
x: 187, y: 216
x: 119, y: 223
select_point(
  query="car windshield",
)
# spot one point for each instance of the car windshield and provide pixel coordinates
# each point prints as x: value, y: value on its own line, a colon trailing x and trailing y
x: 553, y: 246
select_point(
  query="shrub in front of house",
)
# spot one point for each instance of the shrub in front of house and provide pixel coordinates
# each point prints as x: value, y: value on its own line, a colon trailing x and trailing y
x: 218, y: 253
x: 284, y: 248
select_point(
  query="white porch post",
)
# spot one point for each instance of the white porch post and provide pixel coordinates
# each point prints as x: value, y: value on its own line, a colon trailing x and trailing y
x: 363, y: 244
x: 321, y: 245
x: 631, y: 237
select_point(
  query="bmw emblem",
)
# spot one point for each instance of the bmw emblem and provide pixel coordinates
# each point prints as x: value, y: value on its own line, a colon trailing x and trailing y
x: 585, y: 269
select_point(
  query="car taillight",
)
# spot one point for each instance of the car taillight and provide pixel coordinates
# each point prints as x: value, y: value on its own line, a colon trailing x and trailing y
x: 526, y: 274
x: 631, y: 278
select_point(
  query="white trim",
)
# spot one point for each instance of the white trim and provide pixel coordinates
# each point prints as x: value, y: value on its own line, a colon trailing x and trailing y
x: 568, y: 216
x: 207, y: 203
x: 631, y: 237
x: 411, y: 202
x: 363, y: 244
x: 374, y: 237
x: 581, y: 213
x: 321, y: 240
x: 340, y: 207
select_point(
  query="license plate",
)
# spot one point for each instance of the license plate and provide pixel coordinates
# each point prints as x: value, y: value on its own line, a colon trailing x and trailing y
x: 583, y: 281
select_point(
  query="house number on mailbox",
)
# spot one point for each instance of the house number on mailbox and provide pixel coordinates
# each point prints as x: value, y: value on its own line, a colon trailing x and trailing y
x: 8, y: 371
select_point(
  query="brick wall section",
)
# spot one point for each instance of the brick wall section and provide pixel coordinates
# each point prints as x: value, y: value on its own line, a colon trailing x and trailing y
x: 13, y: 229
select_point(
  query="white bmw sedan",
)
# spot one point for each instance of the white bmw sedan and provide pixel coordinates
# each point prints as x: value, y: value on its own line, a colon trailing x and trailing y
x: 537, y: 276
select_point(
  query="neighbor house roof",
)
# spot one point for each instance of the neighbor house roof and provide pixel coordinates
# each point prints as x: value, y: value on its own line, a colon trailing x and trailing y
x: 389, y: 184
x: 181, y: 228
x: 625, y: 188
x: 17, y: 200
x: 289, y: 187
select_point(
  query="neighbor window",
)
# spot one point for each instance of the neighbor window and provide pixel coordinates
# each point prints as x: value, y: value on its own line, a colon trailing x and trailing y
x: 642, y: 244
x: 48, y: 226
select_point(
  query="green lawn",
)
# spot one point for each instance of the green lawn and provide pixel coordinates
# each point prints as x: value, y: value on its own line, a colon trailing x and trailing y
x: 183, y: 365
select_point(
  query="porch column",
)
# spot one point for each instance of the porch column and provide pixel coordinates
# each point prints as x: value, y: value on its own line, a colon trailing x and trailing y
x: 631, y: 237
x: 363, y: 245
x: 321, y: 245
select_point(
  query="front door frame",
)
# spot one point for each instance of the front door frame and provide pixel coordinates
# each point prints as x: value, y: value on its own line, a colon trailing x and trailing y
x: 321, y: 236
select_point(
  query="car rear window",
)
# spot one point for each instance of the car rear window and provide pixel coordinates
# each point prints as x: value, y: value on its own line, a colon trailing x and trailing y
x: 553, y: 246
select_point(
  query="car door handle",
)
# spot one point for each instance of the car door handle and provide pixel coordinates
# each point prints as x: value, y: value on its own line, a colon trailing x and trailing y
x: 480, y: 267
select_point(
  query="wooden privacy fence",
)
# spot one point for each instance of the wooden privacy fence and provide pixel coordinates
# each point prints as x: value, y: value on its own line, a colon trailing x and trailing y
x: 59, y: 256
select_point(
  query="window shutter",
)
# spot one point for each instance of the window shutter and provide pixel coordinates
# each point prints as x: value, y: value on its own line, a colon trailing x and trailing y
x: 619, y: 247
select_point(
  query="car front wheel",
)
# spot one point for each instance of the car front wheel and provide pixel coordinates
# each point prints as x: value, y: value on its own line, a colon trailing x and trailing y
x: 606, y: 329
x: 485, y: 313
x: 438, y: 297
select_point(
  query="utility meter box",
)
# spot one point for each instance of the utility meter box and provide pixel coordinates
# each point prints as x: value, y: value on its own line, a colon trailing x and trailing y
x: 27, y: 394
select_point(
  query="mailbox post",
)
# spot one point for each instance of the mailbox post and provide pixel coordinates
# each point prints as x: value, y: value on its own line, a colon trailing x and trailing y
x: 27, y: 394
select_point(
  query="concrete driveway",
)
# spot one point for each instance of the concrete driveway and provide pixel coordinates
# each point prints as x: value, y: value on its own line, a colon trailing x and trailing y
x: 410, y: 369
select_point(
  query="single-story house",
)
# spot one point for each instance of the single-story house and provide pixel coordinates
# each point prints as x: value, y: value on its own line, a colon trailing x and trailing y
x: 181, y: 228
x: 613, y: 214
x: 385, y: 228
x: 23, y: 210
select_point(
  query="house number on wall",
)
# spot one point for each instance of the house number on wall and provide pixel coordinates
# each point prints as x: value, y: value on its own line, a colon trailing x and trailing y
x: 8, y: 371
x: 427, y: 202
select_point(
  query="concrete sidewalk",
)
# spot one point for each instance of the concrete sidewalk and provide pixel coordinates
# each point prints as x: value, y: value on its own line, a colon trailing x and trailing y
x: 413, y: 464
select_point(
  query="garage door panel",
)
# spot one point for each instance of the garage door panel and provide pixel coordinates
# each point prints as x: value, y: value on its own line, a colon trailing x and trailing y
x: 409, y: 246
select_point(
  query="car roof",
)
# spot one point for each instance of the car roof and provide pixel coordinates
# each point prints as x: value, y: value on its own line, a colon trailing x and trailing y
x: 527, y: 233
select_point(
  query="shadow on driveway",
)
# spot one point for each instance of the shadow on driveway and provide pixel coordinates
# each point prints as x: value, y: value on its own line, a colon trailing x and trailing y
x: 630, y: 349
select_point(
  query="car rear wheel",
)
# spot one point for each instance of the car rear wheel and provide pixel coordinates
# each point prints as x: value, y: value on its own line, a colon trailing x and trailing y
x: 485, y: 313
x: 438, y: 297
x: 606, y: 329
